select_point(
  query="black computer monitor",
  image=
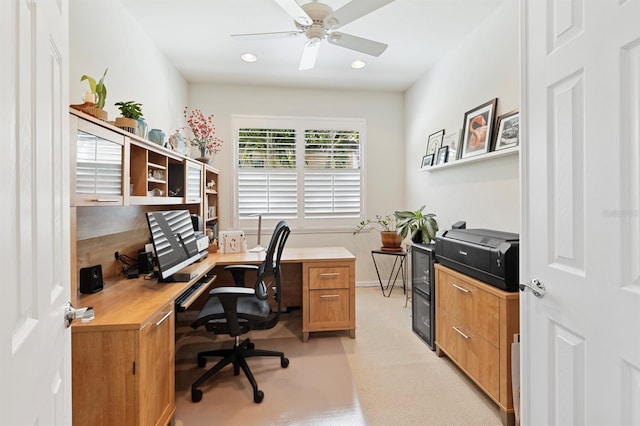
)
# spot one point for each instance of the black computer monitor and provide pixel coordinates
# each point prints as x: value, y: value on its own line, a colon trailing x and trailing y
x: 174, y: 242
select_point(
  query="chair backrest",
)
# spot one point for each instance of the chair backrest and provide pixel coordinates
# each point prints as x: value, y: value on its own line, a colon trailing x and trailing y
x: 270, y: 267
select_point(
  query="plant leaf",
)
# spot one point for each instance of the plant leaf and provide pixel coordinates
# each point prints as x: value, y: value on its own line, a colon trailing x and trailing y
x: 92, y: 82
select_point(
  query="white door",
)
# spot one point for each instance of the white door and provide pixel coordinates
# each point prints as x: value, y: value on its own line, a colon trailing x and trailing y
x: 35, y: 347
x: 580, y: 354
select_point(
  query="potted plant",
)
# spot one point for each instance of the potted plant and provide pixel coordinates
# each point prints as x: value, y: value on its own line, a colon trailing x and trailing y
x: 130, y: 112
x: 94, y: 98
x: 421, y: 227
x: 389, y: 236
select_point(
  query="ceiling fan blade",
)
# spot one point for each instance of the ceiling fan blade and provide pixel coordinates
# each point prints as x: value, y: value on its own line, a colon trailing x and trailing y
x: 359, y: 44
x: 352, y: 11
x: 309, y: 55
x: 256, y: 36
x: 295, y: 11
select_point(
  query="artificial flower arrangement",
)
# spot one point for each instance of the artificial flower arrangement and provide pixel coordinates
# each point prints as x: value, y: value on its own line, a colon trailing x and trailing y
x: 203, y: 130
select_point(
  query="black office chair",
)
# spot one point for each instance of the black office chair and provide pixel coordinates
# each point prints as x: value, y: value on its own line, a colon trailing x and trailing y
x: 236, y: 310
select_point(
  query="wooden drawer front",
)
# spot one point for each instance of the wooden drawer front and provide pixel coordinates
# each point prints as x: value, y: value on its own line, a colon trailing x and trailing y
x: 471, y: 305
x: 329, y: 306
x: 471, y: 352
x: 323, y: 277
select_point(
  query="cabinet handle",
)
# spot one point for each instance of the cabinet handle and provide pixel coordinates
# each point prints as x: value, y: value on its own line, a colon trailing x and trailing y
x: 104, y: 200
x: 167, y: 315
x: 461, y: 333
x: 462, y: 289
x: 330, y: 274
x: 325, y: 296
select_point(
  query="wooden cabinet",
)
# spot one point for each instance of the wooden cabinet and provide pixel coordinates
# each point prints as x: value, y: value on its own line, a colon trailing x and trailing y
x: 475, y: 325
x: 328, y: 290
x: 124, y: 374
x: 97, y: 159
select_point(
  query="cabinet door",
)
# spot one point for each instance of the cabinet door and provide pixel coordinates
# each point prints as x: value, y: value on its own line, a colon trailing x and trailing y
x: 193, y: 179
x: 156, y: 368
x: 96, y: 178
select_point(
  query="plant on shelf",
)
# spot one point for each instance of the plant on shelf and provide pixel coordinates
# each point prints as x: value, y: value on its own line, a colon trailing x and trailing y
x: 389, y: 236
x: 420, y: 226
x: 204, y: 132
x: 130, y: 112
x: 94, y: 98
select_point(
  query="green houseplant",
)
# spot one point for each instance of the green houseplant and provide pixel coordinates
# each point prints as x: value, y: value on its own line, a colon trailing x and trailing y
x: 130, y: 112
x: 98, y: 91
x: 420, y: 226
x: 389, y: 236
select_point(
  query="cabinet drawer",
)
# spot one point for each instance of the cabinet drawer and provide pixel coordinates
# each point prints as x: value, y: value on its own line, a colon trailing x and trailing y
x: 469, y: 304
x: 471, y: 352
x: 325, y: 278
x: 329, y: 306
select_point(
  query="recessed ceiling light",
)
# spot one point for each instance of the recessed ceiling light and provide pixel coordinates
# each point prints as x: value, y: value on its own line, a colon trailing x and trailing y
x: 358, y: 64
x: 249, y: 57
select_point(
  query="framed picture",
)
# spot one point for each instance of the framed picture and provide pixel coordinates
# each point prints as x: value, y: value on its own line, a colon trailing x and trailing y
x: 452, y: 140
x: 427, y: 160
x: 477, y: 129
x: 508, y: 134
x: 442, y: 155
x: 434, y: 142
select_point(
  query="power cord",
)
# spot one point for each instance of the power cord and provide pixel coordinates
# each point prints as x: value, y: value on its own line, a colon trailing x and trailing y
x: 129, y: 266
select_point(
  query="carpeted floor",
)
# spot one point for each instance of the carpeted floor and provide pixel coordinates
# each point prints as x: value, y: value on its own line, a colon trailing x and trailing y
x: 386, y: 376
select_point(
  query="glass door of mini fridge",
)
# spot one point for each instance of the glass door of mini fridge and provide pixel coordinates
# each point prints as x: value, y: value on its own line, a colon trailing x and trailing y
x: 423, y: 286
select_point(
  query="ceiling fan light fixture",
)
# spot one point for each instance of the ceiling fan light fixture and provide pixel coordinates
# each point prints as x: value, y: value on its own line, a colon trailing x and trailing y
x: 248, y: 57
x: 358, y: 63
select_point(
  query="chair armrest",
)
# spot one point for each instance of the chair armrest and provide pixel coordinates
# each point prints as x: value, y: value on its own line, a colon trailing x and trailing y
x: 238, y: 273
x: 239, y: 291
x: 244, y: 267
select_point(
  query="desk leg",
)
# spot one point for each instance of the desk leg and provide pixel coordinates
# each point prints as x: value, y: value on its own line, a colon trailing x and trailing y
x: 305, y: 336
x: 352, y: 333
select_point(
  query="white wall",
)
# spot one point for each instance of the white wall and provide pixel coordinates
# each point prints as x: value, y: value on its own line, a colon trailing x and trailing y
x: 482, y: 67
x: 103, y: 35
x: 384, y: 150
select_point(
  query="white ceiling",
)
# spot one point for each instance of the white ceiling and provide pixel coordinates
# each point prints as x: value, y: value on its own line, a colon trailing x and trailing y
x: 195, y: 37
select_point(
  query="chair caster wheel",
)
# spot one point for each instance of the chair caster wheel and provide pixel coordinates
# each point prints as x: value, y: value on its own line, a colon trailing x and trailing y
x: 196, y: 395
x: 202, y: 362
x: 284, y: 362
x: 251, y: 346
x: 257, y: 397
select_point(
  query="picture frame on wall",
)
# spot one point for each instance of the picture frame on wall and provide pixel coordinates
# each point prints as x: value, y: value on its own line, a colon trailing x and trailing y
x: 427, y: 161
x: 434, y: 142
x: 477, y: 129
x: 443, y: 151
x: 452, y: 140
x: 508, y: 131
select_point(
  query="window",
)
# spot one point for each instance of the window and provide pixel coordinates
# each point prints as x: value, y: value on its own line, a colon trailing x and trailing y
x: 306, y: 171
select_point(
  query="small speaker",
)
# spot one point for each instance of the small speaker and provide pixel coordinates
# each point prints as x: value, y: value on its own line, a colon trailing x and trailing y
x: 145, y: 262
x: 91, y: 279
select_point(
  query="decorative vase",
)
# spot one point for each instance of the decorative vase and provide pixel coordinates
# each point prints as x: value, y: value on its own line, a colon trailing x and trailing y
x: 157, y: 136
x: 143, y: 128
x: 391, y: 241
x: 203, y: 157
x: 176, y: 143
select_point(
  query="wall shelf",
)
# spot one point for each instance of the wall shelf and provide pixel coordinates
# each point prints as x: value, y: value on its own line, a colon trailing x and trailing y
x: 483, y: 157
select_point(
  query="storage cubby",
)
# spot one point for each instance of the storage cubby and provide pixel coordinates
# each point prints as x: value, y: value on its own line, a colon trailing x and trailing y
x: 210, y: 205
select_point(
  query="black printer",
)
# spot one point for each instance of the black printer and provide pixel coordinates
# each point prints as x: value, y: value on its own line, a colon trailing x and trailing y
x: 489, y: 256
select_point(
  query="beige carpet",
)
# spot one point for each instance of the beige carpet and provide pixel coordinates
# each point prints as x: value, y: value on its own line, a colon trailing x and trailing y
x: 386, y: 376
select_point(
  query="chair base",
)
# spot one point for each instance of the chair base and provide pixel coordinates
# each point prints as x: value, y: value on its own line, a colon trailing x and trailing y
x: 236, y: 356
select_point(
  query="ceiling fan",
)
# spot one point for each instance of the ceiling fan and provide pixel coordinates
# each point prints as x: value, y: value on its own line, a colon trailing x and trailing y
x: 319, y: 21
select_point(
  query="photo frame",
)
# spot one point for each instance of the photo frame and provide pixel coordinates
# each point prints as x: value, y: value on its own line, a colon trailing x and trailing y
x: 508, y: 131
x: 477, y: 129
x: 427, y: 161
x: 443, y: 152
x: 452, y: 141
x: 434, y: 142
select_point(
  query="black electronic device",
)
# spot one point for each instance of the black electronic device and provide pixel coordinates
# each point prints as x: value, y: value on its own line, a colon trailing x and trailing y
x: 145, y: 262
x: 174, y: 242
x: 461, y: 224
x: 197, y: 223
x: 91, y: 279
x: 487, y: 255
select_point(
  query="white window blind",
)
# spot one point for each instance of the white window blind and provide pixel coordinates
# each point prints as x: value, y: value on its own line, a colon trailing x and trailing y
x: 307, y: 171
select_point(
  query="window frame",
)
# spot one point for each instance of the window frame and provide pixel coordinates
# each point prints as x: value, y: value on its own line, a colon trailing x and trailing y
x: 300, y: 124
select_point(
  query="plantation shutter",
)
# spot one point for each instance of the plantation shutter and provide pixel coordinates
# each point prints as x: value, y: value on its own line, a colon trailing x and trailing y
x: 267, y: 177
x: 332, y: 177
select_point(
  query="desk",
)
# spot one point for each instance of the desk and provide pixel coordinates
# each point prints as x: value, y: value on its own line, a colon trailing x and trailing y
x: 123, y: 368
x: 399, y: 266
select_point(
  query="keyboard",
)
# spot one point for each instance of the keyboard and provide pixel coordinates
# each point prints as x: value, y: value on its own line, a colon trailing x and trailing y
x: 184, y: 300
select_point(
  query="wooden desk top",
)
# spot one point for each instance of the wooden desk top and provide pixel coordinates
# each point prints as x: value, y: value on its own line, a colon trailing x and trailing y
x: 127, y: 304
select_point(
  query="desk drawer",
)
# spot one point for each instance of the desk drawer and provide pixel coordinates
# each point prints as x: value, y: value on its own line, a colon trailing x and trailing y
x: 329, y: 307
x: 328, y: 277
